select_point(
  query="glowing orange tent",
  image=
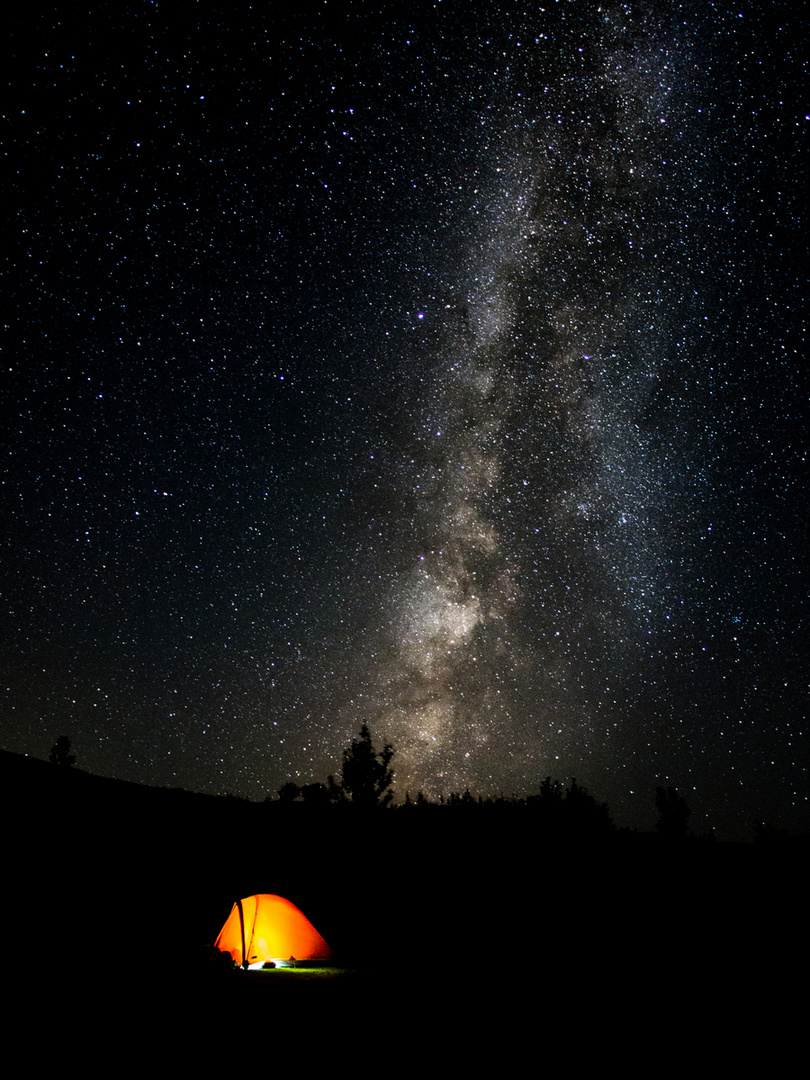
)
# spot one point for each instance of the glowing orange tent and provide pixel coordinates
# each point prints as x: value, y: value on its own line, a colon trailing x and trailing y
x: 267, y: 927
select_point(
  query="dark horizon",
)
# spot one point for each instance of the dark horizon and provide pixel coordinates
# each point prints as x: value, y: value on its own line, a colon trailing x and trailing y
x: 591, y: 820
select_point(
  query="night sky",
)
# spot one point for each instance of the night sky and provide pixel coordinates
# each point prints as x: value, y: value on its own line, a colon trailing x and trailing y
x: 434, y: 365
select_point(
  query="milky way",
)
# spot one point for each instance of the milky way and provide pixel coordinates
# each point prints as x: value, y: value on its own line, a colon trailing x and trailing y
x: 435, y: 367
x: 540, y: 482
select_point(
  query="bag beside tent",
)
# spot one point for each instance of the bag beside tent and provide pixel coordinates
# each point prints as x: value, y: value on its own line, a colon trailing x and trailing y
x: 267, y: 927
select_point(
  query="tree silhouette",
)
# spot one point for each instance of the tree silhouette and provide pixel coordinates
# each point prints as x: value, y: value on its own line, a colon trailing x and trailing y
x: 289, y: 792
x: 316, y: 794
x: 583, y: 814
x: 336, y: 792
x: 366, y: 774
x: 673, y: 814
x: 60, y: 752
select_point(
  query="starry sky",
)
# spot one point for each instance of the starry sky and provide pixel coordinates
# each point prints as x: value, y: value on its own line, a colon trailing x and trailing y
x: 436, y: 365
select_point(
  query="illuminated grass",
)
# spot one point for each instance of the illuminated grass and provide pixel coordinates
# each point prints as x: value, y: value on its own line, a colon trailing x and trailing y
x: 299, y: 971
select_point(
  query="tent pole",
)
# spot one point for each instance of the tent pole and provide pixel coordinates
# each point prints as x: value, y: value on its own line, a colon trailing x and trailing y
x: 242, y: 928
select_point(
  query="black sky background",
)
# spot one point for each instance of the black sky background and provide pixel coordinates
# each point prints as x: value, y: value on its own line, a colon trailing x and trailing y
x: 438, y: 366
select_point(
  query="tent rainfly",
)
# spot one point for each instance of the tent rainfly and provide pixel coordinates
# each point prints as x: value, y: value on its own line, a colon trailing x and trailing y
x: 266, y: 927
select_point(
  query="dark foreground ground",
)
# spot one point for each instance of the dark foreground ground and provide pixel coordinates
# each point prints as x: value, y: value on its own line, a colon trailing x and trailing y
x: 449, y: 933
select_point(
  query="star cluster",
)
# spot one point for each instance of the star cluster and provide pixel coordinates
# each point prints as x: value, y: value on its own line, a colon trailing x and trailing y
x: 436, y: 366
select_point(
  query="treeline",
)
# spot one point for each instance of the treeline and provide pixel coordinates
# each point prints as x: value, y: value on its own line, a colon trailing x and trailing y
x: 367, y: 777
x: 366, y: 781
x: 559, y: 809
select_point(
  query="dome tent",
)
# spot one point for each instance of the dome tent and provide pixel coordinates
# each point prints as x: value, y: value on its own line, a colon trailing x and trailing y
x: 267, y: 927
